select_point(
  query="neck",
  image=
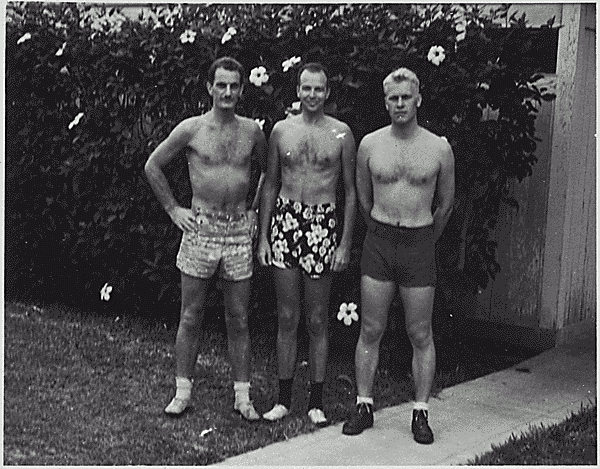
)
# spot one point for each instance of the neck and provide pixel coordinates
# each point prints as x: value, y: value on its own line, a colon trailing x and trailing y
x: 312, y: 117
x: 405, y: 131
x: 223, y: 116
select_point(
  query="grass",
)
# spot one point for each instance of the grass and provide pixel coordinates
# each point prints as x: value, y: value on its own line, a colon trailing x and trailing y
x: 89, y: 389
x: 571, y: 442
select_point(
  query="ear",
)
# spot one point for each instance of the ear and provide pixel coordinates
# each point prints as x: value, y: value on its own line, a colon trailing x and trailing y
x: 298, y: 92
x: 209, y: 87
x: 419, y: 99
x: 327, y: 94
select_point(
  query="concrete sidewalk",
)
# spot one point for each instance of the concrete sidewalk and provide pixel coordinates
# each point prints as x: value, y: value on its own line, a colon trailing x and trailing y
x: 466, y: 419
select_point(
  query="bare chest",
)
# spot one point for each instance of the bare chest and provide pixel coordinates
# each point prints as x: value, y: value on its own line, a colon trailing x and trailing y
x: 212, y: 147
x: 410, y: 166
x: 317, y: 149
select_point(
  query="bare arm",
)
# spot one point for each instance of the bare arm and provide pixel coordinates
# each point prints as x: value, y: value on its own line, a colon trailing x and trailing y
x: 445, y: 191
x: 348, y: 172
x: 260, y: 154
x: 364, y: 186
x: 160, y: 157
x: 269, y: 195
x: 341, y: 257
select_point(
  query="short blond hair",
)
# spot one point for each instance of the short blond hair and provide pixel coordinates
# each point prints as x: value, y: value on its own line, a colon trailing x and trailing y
x: 400, y: 75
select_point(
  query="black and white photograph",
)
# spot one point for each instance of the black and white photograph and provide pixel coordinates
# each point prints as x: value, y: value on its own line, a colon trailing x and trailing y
x: 310, y: 235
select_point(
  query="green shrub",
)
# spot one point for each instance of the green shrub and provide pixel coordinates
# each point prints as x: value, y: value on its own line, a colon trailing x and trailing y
x: 90, y: 93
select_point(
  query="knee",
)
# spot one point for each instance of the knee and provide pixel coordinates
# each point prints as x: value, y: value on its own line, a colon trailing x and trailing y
x: 237, y: 323
x: 191, y: 318
x: 371, y: 332
x: 421, y: 335
x: 317, y: 323
x: 288, y: 320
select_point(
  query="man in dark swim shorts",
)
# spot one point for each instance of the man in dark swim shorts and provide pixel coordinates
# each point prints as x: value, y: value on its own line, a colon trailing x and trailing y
x: 307, y: 155
x: 403, y: 255
x: 400, y: 170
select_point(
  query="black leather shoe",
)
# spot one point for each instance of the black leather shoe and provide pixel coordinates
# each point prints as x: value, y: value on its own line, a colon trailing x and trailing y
x: 361, y: 419
x: 420, y: 428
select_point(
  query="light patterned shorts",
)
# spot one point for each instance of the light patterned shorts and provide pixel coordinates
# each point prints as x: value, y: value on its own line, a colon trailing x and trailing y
x: 303, y: 236
x: 221, y: 243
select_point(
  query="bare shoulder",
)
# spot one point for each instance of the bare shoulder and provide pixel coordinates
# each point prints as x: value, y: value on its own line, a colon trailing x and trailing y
x: 188, y: 128
x: 437, y: 143
x: 280, y: 128
x: 191, y: 124
x: 288, y: 124
x: 371, y: 140
x: 336, y: 124
x: 247, y: 125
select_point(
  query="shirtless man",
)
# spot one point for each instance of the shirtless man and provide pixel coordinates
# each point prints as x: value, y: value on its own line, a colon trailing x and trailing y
x: 298, y: 235
x: 399, y: 170
x: 217, y: 229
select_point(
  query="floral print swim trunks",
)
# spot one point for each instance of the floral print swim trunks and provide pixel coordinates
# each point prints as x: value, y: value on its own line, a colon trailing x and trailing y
x: 303, y: 236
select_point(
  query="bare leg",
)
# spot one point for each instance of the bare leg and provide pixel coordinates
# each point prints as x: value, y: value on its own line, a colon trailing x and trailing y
x: 287, y: 286
x: 316, y: 294
x: 376, y: 299
x: 236, y: 298
x: 418, y: 306
x: 187, y: 342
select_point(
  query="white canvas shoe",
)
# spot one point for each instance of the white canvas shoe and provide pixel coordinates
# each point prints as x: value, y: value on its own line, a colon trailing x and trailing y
x: 177, y: 407
x: 246, y: 409
x: 276, y: 413
x: 317, y: 416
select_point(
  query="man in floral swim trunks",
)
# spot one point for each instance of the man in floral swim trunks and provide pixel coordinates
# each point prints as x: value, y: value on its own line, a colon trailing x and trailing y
x: 298, y: 235
x: 217, y: 229
x: 303, y: 236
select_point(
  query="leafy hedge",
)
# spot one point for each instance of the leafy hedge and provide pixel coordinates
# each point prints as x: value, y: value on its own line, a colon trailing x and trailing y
x: 90, y: 93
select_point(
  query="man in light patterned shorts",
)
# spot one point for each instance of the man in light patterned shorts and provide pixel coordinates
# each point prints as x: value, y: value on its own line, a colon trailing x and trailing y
x: 307, y: 155
x: 217, y: 229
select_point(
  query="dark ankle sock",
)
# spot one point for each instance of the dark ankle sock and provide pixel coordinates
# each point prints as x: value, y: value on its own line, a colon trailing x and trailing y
x: 285, y: 392
x: 316, y: 396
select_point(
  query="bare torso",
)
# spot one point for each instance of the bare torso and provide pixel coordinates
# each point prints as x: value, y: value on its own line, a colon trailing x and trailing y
x: 404, y: 175
x: 219, y: 157
x: 310, y: 159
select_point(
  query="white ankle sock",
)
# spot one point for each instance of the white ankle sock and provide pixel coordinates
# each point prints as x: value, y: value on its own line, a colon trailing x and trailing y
x: 184, y: 388
x: 366, y: 400
x: 242, y: 391
x: 421, y: 406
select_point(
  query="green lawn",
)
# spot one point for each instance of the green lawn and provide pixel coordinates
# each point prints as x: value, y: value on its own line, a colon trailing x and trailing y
x: 571, y: 442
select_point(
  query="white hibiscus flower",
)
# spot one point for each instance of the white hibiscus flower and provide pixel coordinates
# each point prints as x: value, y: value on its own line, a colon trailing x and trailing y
x: 259, y: 76
x: 347, y: 313
x: 436, y: 55
x: 228, y: 35
x: 289, y: 63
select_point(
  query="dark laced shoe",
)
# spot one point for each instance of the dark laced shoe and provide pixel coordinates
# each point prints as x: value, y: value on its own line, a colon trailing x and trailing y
x: 420, y: 428
x: 360, y: 420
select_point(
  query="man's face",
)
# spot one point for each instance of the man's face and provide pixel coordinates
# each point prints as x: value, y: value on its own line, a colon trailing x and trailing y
x: 226, y: 88
x: 312, y: 90
x: 402, y: 100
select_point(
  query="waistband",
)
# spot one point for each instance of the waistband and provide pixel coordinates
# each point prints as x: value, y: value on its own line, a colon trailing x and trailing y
x: 219, y: 215
x: 400, y: 233
x: 286, y: 201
